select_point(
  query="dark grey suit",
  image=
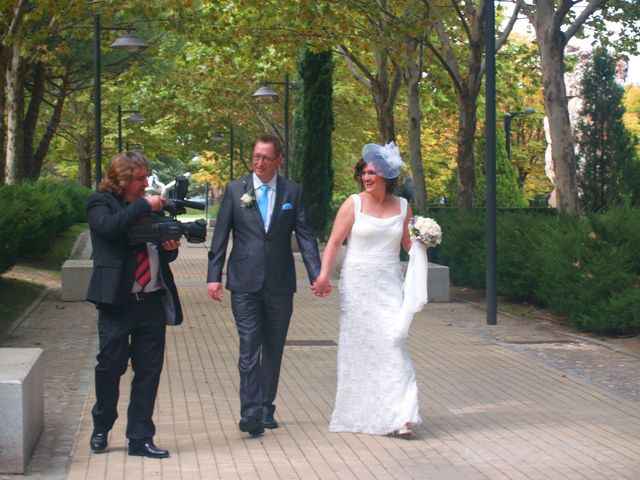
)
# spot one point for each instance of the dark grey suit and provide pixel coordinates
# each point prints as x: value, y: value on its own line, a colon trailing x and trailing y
x: 262, y: 279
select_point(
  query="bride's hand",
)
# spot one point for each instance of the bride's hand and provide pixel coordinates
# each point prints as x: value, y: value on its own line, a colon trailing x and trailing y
x: 321, y: 287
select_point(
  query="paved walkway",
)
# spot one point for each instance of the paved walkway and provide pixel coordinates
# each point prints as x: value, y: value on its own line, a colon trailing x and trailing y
x: 498, y: 402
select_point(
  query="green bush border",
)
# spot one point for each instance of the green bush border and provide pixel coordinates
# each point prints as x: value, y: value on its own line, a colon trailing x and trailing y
x: 587, y: 270
x: 33, y: 213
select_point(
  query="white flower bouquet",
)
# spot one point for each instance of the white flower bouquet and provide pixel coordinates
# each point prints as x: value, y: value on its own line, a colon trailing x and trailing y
x: 425, y: 230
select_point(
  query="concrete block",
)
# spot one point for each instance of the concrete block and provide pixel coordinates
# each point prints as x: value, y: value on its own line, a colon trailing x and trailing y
x: 75, y: 276
x: 22, y: 400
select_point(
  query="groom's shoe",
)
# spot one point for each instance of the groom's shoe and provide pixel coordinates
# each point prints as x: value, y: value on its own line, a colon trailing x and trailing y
x: 98, y: 442
x: 252, y: 426
x: 146, y: 448
x: 269, y: 421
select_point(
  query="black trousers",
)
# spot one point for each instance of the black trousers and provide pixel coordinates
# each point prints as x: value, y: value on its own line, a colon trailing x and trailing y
x: 134, y: 331
x: 262, y: 319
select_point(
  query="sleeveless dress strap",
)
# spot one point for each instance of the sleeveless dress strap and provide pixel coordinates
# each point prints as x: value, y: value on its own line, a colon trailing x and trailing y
x: 403, y: 207
x: 357, y: 206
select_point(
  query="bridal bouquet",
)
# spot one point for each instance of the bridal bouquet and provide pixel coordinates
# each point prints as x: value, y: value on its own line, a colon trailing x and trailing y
x: 425, y: 230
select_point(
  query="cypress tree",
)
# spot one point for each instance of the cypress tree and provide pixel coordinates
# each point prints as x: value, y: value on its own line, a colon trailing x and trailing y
x: 606, y: 148
x: 316, y: 173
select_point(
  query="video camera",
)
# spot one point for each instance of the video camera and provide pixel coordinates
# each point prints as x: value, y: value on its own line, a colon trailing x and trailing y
x: 158, y: 228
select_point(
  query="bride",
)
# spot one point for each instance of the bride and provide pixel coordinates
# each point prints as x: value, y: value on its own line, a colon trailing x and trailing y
x: 377, y: 391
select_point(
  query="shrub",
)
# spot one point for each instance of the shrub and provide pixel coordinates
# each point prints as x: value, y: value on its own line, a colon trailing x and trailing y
x: 33, y: 213
x: 587, y: 270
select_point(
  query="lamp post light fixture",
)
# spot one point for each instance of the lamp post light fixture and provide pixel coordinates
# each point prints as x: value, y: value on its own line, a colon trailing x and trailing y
x: 267, y: 92
x: 135, y: 118
x: 126, y: 42
x: 507, y: 128
x: 219, y: 137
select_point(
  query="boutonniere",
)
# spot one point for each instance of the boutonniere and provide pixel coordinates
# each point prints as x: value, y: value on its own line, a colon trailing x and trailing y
x: 247, y: 199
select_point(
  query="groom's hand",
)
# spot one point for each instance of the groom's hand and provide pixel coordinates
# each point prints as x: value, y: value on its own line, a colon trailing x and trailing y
x: 215, y: 290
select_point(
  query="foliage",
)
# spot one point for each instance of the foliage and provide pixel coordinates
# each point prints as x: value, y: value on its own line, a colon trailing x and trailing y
x: 33, y: 212
x: 587, y: 270
x: 509, y: 194
x: 606, y: 147
x: 316, y: 71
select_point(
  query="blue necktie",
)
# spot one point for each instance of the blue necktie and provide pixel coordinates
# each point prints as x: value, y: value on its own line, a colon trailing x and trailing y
x: 262, y: 202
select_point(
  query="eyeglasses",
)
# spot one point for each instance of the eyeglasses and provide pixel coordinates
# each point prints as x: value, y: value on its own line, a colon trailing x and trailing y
x: 369, y: 173
x: 257, y: 158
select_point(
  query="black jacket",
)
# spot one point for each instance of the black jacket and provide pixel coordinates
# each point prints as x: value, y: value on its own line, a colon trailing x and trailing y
x: 114, y: 261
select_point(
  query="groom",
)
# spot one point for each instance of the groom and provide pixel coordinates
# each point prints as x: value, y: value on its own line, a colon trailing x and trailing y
x: 262, y: 209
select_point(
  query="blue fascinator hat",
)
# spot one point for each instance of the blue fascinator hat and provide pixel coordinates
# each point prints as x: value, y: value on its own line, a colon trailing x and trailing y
x: 385, y: 159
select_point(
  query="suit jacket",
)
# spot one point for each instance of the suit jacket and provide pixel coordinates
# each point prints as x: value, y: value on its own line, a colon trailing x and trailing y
x: 114, y: 262
x: 260, y: 258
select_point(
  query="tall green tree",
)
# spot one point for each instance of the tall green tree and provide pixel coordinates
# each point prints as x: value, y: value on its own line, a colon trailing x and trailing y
x: 555, y: 24
x: 316, y: 72
x: 606, y: 146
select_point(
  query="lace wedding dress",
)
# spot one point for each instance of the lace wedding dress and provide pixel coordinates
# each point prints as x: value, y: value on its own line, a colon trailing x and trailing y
x: 377, y: 391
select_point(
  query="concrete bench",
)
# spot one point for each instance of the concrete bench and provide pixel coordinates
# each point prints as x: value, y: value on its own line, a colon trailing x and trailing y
x: 76, y: 272
x: 22, y: 400
x: 437, y: 277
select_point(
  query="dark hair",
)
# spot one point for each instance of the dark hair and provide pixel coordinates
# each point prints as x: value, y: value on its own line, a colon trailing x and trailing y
x: 390, y: 183
x: 273, y: 140
x: 121, y: 170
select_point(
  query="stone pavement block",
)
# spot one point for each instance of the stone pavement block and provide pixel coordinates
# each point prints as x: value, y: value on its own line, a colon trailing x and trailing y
x: 22, y: 400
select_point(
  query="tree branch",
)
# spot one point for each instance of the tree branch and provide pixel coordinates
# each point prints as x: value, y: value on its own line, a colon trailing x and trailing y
x: 360, y: 71
x: 582, y: 18
x: 507, y: 30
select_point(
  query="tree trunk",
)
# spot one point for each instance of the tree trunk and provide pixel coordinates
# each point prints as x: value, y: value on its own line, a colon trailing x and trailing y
x: 411, y: 74
x: 551, y: 44
x: 84, y: 151
x: 31, y: 119
x: 52, y: 127
x: 3, y: 126
x: 384, y: 96
x: 562, y: 145
x: 15, y: 113
x: 465, y: 159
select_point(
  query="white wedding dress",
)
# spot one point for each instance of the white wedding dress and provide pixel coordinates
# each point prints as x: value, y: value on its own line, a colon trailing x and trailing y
x: 377, y: 391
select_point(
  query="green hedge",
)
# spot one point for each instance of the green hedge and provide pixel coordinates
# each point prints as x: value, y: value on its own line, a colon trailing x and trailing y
x: 32, y: 213
x: 587, y: 270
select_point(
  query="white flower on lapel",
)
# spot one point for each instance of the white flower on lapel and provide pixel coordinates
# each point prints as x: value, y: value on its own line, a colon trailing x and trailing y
x: 247, y: 200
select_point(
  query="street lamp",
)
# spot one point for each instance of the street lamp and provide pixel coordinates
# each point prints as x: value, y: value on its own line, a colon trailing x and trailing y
x: 219, y: 137
x: 267, y: 92
x: 126, y: 42
x: 135, y: 118
x: 507, y: 127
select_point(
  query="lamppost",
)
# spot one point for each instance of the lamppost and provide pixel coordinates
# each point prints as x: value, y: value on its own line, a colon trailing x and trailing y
x: 126, y: 42
x: 507, y: 128
x: 135, y: 118
x: 219, y: 137
x: 267, y: 92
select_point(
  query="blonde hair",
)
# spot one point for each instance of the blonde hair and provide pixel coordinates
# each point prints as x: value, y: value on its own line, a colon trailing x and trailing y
x: 121, y: 170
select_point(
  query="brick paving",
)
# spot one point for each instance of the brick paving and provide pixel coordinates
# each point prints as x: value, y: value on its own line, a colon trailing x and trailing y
x: 492, y: 408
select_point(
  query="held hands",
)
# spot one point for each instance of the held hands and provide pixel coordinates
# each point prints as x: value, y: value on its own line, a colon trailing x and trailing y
x: 215, y: 290
x: 321, y: 287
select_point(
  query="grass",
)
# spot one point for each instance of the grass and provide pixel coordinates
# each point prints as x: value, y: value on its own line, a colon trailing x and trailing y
x: 24, y: 283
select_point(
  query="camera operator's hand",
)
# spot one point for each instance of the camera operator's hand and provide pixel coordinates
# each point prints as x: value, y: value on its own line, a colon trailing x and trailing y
x: 171, y: 245
x: 215, y: 290
x: 157, y: 202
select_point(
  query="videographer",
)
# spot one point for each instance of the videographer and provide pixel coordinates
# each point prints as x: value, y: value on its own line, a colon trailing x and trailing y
x: 134, y: 291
